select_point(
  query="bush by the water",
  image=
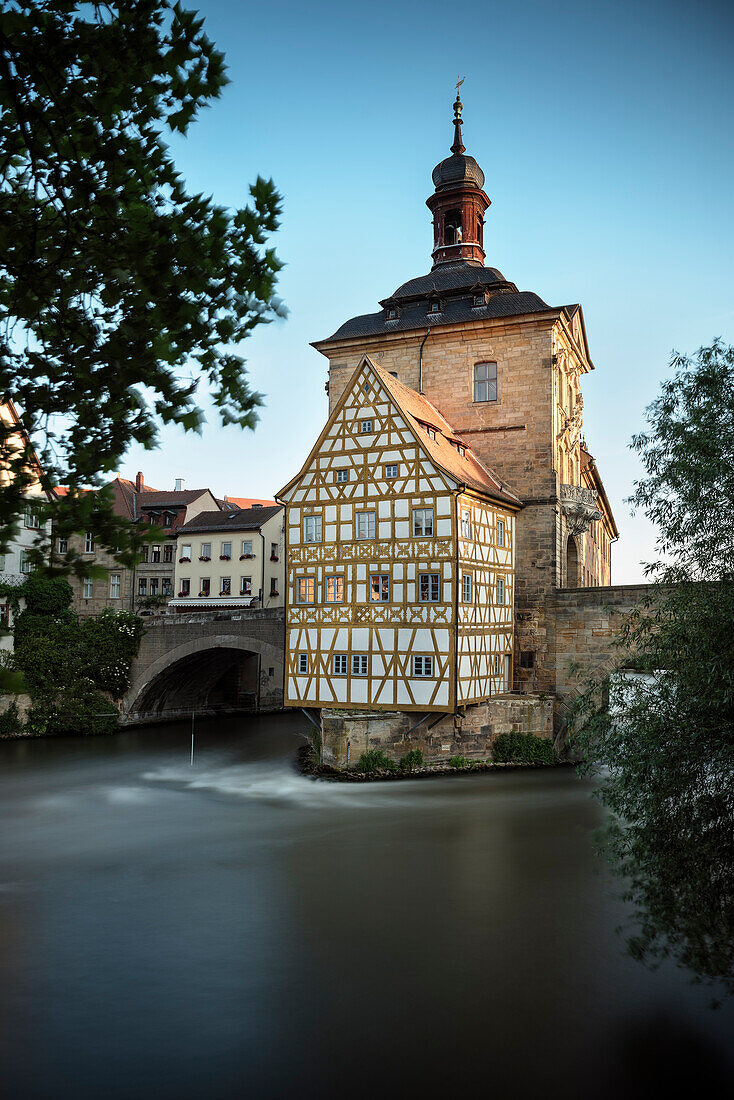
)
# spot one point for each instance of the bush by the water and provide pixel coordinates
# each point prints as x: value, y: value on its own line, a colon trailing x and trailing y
x: 458, y: 762
x: 523, y: 748
x: 375, y: 760
x: 412, y: 759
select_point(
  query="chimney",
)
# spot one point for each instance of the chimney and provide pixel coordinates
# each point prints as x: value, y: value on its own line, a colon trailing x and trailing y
x: 179, y: 485
x: 139, y: 482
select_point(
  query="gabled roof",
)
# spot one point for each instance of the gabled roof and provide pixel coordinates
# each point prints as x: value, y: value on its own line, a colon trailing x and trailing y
x: 243, y: 519
x: 153, y: 498
x: 247, y: 502
x: 418, y: 411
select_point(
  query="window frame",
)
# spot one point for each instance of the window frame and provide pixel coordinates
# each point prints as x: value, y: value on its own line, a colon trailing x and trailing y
x: 363, y: 659
x: 334, y: 577
x: 383, y: 588
x: 88, y: 588
x: 115, y: 577
x: 423, y: 534
x: 342, y: 658
x: 364, y: 429
x: 303, y: 664
x: 89, y: 543
x: 488, y: 380
x: 500, y: 587
x: 426, y: 667
x: 467, y: 590
x: 501, y: 533
x: 391, y: 466
x: 466, y: 523
x: 429, y: 581
x: 307, y: 579
x: 341, y: 476
x: 367, y: 514
x: 313, y: 525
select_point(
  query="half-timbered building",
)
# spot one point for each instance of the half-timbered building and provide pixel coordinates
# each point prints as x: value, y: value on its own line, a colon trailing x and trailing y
x: 400, y: 560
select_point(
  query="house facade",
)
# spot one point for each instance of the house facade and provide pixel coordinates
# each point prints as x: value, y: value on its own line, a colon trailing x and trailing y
x: 230, y: 559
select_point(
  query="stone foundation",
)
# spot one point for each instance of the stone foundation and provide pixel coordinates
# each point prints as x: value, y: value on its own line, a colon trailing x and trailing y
x: 345, y: 734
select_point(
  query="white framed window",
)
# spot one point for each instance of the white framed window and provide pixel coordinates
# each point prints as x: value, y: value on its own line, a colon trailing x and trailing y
x: 114, y: 586
x: 303, y: 662
x: 305, y: 589
x: 379, y: 587
x: 342, y: 476
x: 226, y: 550
x: 32, y: 518
x: 26, y: 565
x: 430, y: 432
x: 166, y: 587
x: 461, y: 449
x: 205, y: 586
x: 485, y: 381
x: 339, y: 664
x: 62, y: 545
x: 365, y: 426
x: 225, y: 586
x: 365, y: 525
x: 312, y: 529
x: 466, y: 596
x: 245, y: 586
x: 154, y: 586
x: 185, y: 586
x: 423, y: 522
x: 89, y: 543
x: 359, y: 664
x: 391, y: 471
x: 497, y: 664
x: 466, y: 525
x: 335, y: 588
x: 500, y: 532
x: 87, y: 588
x: 155, y: 553
x: 429, y: 587
x: 205, y: 550
x: 423, y: 666
x: 500, y: 590
x: 168, y: 552
x: 186, y: 550
x: 247, y: 547
x: 434, y: 307
x: 142, y: 586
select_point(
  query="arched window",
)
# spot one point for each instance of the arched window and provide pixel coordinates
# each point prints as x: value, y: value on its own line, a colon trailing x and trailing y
x: 480, y: 229
x: 452, y: 227
x: 572, y: 563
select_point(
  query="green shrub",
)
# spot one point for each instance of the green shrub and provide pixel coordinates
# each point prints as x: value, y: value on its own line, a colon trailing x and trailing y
x: 375, y: 760
x: 523, y: 748
x: 412, y: 759
x: 458, y: 762
x: 10, y: 723
x: 47, y: 595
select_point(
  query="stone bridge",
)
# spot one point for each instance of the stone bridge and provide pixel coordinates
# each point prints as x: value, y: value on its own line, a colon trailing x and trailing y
x: 223, y: 662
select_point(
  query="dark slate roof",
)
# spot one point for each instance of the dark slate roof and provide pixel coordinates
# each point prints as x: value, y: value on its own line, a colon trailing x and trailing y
x: 162, y: 498
x: 455, y: 285
x: 242, y: 519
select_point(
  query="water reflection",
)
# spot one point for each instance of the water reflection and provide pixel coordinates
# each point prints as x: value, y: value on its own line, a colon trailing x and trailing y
x: 236, y: 928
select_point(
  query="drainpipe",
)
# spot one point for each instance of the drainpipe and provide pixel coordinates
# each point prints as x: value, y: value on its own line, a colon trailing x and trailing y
x: 420, y: 362
x: 262, y: 571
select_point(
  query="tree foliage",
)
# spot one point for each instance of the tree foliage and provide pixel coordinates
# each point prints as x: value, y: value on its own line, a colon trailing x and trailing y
x: 664, y: 745
x: 119, y: 290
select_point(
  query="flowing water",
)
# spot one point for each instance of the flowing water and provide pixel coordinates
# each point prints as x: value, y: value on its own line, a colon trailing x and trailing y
x: 234, y: 929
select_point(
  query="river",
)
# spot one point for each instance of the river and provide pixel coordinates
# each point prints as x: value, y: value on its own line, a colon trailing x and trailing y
x: 235, y: 929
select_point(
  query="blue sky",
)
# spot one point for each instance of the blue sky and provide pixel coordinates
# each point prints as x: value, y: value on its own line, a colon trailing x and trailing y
x: 605, y: 134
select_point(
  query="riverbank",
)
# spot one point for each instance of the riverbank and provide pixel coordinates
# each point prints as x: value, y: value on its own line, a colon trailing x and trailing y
x: 307, y: 764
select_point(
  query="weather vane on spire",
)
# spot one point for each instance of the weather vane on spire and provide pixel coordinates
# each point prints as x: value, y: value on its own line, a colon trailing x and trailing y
x: 458, y: 146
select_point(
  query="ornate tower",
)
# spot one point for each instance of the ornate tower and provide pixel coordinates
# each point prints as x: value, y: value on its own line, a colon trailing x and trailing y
x: 458, y: 204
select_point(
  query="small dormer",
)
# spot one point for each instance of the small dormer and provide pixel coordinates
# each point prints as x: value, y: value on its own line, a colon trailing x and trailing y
x: 479, y: 296
x: 392, y: 309
x: 435, y: 305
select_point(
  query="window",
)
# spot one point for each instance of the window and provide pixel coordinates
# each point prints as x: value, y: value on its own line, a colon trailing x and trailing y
x: 429, y: 587
x: 185, y: 586
x: 204, y: 586
x: 466, y: 588
x: 155, y: 554
x: 379, y: 588
x: 366, y: 387
x: 430, y: 432
x: 185, y: 552
x: 339, y: 664
x: 303, y: 662
x: 225, y: 586
x: 167, y: 519
x: 335, y: 589
x: 32, y: 518
x: 359, y: 664
x: 2, y: 562
x: 466, y: 524
x: 154, y: 586
x: 485, y: 381
x: 461, y: 449
x: 342, y: 476
x: 500, y: 532
x: 391, y: 471
x: 365, y: 426
x: 273, y: 551
x: 305, y: 589
x: 274, y: 586
x: 142, y: 586
x: 166, y: 587
x: 423, y: 522
x: 205, y: 551
x: 88, y: 588
x: 434, y: 307
x: 62, y: 545
x: 500, y: 590
x: 168, y: 552
x: 312, y: 529
x: 226, y: 550
x: 527, y: 659
x: 89, y: 543
x: 365, y: 525
x: 480, y: 300
x: 497, y: 664
x: 26, y: 565
x: 423, y: 666
x: 245, y: 586
x: 114, y: 586
x: 4, y: 615
x: 144, y: 552
x: 392, y: 315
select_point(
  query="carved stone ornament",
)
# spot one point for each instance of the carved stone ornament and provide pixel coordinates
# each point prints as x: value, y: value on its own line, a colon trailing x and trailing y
x: 578, y: 505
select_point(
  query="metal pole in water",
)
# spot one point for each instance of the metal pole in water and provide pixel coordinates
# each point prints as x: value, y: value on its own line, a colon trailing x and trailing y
x: 191, y: 763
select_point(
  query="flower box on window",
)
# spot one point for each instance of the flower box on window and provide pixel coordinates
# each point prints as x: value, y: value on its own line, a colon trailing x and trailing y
x: 243, y: 557
x: 203, y: 593
x: 224, y: 557
x: 184, y: 559
x: 275, y: 593
x: 274, y: 557
x: 223, y: 593
x: 182, y: 594
x: 203, y: 558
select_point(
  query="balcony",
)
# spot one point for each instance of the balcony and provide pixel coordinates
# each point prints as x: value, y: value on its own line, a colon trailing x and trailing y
x: 578, y: 505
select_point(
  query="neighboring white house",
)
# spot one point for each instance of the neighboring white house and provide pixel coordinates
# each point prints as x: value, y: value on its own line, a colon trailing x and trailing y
x: 230, y: 559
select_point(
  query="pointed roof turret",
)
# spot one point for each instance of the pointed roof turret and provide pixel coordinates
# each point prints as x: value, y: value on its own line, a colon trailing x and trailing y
x: 458, y: 146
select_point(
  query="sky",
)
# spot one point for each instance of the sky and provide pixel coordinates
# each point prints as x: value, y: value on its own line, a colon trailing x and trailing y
x: 605, y: 134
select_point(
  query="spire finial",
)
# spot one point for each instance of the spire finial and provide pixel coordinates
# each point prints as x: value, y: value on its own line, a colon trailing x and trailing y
x: 458, y: 146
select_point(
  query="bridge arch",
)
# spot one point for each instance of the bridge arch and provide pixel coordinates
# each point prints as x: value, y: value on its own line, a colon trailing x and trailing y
x: 208, y: 673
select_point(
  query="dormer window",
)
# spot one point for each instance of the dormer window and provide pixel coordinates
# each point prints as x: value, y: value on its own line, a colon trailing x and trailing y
x: 431, y: 433
x: 392, y: 314
x: 480, y: 300
x: 460, y: 449
x: 434, y: 307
